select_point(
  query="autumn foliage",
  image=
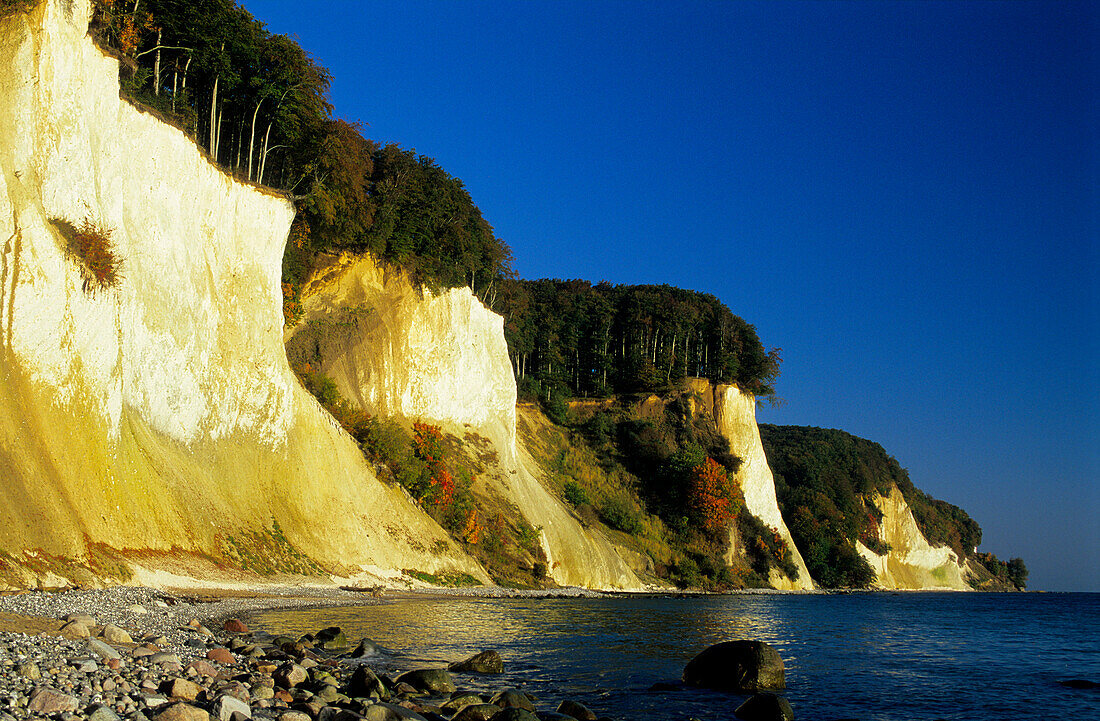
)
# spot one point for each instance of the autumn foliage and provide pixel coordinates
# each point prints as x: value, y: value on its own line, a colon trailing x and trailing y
x: 91, y: 246
x: 711, y: 499
x: 438, y: 486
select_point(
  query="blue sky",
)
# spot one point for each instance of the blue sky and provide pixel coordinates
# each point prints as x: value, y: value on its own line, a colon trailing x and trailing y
x: 904, y: 197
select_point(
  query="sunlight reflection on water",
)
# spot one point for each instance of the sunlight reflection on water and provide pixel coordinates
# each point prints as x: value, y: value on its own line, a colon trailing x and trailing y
x: 868, y: 656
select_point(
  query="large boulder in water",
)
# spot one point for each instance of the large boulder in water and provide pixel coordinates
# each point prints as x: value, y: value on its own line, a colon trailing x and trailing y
x: 737, y: 666
x: 765, y: 707
x: 484, y: 662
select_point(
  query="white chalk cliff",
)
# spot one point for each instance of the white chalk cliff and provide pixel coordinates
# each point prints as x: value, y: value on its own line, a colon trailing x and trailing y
x: 911, y: 562
x: 159, y: 415
x: 404, y: 352
x: 735, y: 415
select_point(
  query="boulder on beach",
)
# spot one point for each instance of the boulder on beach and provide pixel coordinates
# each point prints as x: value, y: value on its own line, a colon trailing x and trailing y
x: 511, y: 698
x: 434, y: 681
x: 331, y: 639
x: 737, y: 666
x: 477, y: 712
x: 765, y: 707
x: 484, y: 662
x: 576, y: 710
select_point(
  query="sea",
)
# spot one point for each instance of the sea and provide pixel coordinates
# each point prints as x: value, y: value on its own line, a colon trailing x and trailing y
x: 880, y: 655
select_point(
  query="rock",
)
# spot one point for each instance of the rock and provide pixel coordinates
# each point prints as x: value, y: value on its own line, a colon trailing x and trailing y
x: 290, y: 675
x: 155, y: 700
x: 514, y: 714
x: 102, y: 649
x: 477, y: 712
x: 225, y: 706
x: 182, y: 712
x: 366, y: 647
x: 576, y: 710
x: 181, y: 689
x: 75, y: 629
x: 737, y: 666
x: 364, y: 684
x: 1080, y: 683
x: 235, y: 625
x: 221, y: 655
x: 293, y: 716
x: 331, y: 639
x: 29, y: 669
x: 114, y: 634
x: 511, y: 698
x: 459, y: 701
x: 47, y: 700
x: 103, y: 713
x: 137, y: 609
x: 332, y: 713
x: 765, y: 707
x: 390, y: 712
x: 428, y: 680
x: 166, y: 659
x: 484, y: 662
x: 203, y: 668
x: 82, y: 618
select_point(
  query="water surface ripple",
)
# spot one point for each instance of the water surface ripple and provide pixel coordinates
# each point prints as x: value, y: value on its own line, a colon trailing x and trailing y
x: 866, y: 656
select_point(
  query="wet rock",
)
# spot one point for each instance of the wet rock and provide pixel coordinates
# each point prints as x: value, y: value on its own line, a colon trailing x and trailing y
x: 511, y: 698
x: 576, y: 710
x: 1080, y: 683
x: 460, y: 700
x: 331, y: 639
x: 514, y: 714
x: 765, y: 707
x: 364, y: 684
x: 737, y: 666
x: 366, y: 647
x: 484, y: 662
x: 428, y: 680
x: 477, y: 712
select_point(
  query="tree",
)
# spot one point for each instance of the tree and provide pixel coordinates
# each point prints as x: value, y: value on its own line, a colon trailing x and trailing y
x: 1017, y: 573
x: 711, y: 499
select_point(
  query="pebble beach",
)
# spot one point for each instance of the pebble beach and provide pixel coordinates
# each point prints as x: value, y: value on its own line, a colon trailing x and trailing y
x: 144, y: 654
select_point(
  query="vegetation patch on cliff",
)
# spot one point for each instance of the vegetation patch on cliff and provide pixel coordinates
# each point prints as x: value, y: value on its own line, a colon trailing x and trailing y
x: 91, y: 248
x: 658, y: 478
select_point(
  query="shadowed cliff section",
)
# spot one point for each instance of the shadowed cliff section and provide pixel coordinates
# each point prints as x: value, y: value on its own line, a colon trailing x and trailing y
x: 157, y: 419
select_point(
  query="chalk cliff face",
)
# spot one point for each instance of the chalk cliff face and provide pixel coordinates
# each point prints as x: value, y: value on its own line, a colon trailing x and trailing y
x: 159, y: 415
x: 735, y: 414
x: 911, y: 562
x: 399, y: 351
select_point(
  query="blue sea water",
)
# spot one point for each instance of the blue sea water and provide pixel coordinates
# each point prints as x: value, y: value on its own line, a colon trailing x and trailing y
x: 863, y: 656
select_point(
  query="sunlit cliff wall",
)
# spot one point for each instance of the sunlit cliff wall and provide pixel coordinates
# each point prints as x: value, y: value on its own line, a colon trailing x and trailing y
x: 402, y: 352
x: 159, y: 415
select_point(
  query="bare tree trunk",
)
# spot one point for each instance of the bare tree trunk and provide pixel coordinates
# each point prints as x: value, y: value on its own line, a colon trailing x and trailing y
x: 263, y: 157
x: 156, y: 67
x: 218, y: 136
x: 213, y: 118
x: 252, y: 136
